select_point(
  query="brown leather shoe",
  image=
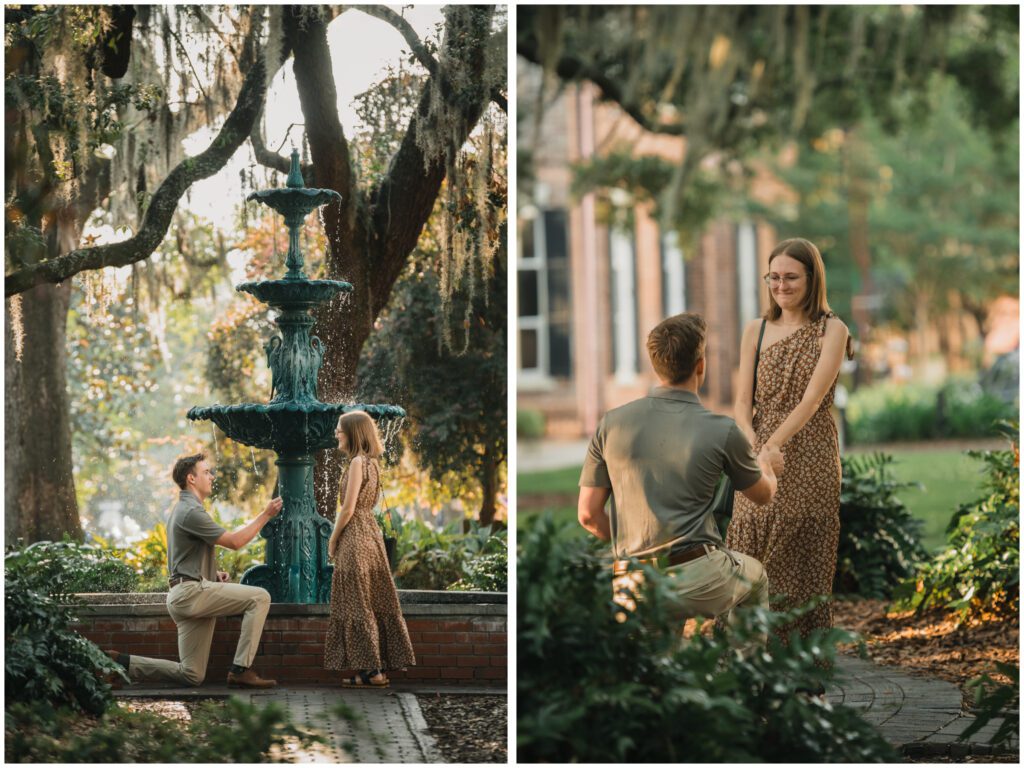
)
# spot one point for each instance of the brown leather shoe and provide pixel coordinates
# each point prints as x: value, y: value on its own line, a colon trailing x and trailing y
x: 249, y: 679
x: 113, y: 679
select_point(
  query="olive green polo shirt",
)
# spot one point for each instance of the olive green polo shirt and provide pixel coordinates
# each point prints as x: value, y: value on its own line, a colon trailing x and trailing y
x: 662, y: 456
x: 191, y: 535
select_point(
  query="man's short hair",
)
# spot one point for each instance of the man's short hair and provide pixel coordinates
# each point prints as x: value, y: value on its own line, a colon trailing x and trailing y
x: 676, y: 345
x: 184, y: 467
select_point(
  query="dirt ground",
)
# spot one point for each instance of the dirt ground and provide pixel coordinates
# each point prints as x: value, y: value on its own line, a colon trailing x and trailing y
x: 468, y: 729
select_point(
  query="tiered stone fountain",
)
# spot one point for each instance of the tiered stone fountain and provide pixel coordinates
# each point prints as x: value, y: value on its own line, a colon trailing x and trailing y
x: 294, y: 424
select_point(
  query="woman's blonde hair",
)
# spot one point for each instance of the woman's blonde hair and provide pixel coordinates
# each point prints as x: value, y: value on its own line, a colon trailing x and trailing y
x: 815, y: 303
x: 361, y: 433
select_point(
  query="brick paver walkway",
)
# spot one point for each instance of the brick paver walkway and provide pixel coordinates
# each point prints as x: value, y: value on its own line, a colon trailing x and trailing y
x: 381, y: 726
x: 922, y: 716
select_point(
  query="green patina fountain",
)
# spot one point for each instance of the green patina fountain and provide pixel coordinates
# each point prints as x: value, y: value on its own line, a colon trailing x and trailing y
x: 295, y: 424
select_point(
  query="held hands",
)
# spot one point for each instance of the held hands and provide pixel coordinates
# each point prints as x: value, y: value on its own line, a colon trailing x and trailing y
x: 273, y: 507
x: 332, y: 545
x: 771, y: 455
x: 222, y: 577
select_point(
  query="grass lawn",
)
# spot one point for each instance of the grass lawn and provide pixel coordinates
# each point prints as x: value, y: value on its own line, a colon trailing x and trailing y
x: 949, y: 477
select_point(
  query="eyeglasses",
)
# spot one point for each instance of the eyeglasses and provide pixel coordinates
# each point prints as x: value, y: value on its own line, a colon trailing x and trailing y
x: 785, y: 279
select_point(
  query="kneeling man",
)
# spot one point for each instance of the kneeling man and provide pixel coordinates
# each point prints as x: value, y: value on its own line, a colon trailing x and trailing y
x: 199, y: 593
x: 659, y: 459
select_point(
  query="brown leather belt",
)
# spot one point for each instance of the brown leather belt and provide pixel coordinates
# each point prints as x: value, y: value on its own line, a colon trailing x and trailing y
x: 675, y: 558
x: 178, y: 579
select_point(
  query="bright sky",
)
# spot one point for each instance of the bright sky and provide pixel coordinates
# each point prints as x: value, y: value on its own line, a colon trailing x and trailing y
x: 361, y: 48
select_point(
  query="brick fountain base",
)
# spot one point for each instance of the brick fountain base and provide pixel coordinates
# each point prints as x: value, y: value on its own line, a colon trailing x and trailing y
x: 460, y: 638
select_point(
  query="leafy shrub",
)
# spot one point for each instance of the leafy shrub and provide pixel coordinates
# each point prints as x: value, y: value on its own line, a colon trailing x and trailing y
x: 595, y: 688
x: 66, y: 567
x: 436, y: 559
x: 530, y: 424
x: 979, y: 570
x: 879, y: 542
x: 878, y: 538
x: 993, y: 700
x: 235, y: 732
x: 892, y: 412
x: 486, y: 573
x: 45, y: 661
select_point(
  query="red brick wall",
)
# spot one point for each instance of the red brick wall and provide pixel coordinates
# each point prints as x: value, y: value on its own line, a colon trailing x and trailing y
x: 454, y: 649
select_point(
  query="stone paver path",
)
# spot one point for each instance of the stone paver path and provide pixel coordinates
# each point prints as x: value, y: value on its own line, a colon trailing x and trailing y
x: 372, y: 727
x: 922, y: 716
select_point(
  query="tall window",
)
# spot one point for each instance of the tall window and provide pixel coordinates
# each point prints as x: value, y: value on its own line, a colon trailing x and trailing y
x: 545, y: 308
x: 625, y: 363
x: 673, y: 275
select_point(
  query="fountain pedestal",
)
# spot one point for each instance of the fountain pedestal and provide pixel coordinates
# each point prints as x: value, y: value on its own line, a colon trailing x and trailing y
x: 295, y: 424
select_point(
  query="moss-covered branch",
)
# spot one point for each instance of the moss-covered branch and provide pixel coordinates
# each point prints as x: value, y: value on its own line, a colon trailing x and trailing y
x: 139, y: 247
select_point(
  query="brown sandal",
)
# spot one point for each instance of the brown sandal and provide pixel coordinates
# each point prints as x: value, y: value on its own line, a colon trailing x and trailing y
x: 364, y: 679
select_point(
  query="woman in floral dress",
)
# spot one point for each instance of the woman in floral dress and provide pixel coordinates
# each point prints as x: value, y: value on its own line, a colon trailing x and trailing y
x: 366, y: 631
x: 797, y: 535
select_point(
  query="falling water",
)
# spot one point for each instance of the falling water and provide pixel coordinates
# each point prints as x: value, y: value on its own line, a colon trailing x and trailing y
x: 252, y: 453
x: 216, y: 447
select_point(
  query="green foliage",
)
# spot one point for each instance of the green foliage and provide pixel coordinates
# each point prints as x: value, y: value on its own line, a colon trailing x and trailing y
x: 235, y: 732
x: 979, y: 571
x: 596, y: 685
x: 456, y: 400
x: 993, y: 699
x: 437, y: 559
x: 66, y: 567
x: 530, y: 423
x: 893, y: 412
x: 485, y: 573
x: 44, y: 660
x: 879, y: 540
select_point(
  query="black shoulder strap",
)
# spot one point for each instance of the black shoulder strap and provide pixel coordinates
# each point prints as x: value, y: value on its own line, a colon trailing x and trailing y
x: 757, y: 358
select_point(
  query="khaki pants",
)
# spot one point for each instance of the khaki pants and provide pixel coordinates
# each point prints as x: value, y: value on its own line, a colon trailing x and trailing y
x: 195, y: 606
x: 710, y: 586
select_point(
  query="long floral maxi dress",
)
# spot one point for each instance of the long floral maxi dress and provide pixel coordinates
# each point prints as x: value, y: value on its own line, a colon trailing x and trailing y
x: 366, y: 629
x: 796, y: 536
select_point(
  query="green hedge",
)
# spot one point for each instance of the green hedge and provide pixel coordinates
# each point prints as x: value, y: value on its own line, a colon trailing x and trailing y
x: 896, y: 412
x: 597, y: 686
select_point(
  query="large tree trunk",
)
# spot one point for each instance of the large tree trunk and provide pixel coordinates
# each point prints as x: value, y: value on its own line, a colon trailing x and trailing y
x: 858, y: 204
x: 371, y: 233
x: 40, y: 490
x: 488, y: 488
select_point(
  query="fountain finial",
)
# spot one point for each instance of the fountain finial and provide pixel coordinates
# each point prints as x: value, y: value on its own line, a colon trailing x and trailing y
x: 295, y: 180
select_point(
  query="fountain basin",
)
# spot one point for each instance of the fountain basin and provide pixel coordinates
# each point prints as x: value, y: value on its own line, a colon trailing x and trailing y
x: 289, y: 428
x: 294, y: 294
x: 295, y: 201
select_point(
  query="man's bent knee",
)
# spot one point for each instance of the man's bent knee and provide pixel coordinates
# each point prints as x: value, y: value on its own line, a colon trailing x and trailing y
x: 193, y: 676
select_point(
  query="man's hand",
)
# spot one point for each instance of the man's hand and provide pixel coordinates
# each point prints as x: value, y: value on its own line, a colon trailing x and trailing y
x: 222, y: 577
x: 273, y: 507
x: 773, y: 456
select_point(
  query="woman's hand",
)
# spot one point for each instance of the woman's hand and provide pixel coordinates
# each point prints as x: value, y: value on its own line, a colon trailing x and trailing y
x: 332, y: 544
x: 771, y: 453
